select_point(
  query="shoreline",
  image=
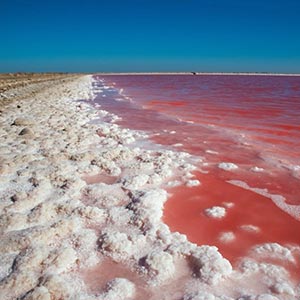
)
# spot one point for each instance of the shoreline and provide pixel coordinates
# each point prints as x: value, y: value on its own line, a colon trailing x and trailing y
x: 58, y: 230
x: 68, y: 74
x: 203, y: 73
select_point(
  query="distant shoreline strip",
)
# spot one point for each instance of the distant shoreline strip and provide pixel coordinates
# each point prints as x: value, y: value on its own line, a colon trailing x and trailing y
x: 200, y: 73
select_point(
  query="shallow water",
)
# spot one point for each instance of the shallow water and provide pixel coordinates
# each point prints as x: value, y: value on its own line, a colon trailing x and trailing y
x: 251, y: 121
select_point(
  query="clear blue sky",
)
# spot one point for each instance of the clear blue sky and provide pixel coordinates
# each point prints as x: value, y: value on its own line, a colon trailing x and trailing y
x: 150, y: 35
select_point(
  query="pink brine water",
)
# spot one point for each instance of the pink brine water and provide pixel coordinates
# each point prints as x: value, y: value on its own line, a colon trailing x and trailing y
x: 252, y: 122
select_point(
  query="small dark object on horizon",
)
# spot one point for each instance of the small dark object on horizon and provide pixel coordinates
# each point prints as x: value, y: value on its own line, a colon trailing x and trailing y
x: 194, y: 73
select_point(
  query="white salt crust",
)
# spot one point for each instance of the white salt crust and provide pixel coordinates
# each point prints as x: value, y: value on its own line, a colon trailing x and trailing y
x: 119, y: 289
x: 227, y: 166
x: 276, y: 251
x: 292, y: 210
x: 55, y: 226
x: 227, y: 237
x: 257, y: 169
x: 217, y: 212
x: 250, y: 228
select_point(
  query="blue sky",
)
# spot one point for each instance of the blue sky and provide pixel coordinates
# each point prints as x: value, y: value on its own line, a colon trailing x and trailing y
x: 150, y: 35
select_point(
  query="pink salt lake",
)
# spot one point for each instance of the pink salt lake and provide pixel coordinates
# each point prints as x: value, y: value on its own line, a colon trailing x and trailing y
x: 251, y: 121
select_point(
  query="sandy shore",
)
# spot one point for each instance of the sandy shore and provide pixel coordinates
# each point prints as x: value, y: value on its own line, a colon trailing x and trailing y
x: 81, y: 207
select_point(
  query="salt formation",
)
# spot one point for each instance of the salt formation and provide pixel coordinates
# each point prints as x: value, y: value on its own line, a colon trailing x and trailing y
x: 274, y: 250
x: 55, y: 226
x: 160, y: 264
x: 256, y: 169
x: 209, y: 264
x: 226, y: 237
x: 119, y: 289
x: 279, y: 200
x: 191, y: 183
x: 217, y: 212
x: 250, y: 228
x: 227, y: 166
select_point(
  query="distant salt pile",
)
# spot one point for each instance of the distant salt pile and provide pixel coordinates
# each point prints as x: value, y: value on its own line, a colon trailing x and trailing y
x: 217, y: 212
x: 192, y: 183
x: 227, y: 166
x: 211, y: 152
x: 227, y: 237
x: 250, y: 228
x: 257, y: 169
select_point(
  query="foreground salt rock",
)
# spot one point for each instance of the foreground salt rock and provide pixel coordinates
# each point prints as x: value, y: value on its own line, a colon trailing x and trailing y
x: 55, y: 226
x: 119, y: 289
x: 209, y: 264
x: 160, y: 264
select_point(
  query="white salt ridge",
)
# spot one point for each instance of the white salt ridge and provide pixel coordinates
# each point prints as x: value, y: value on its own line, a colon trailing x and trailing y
x: 56, y: 225
x: 292, y: 210
x: 211, y: 152
x: 250, y: 228
x: 227, y: 166
x: 191, y: 183
x: 256, y: 169
x: 217, y: 212
x: 178, y: 145
x: 274, y: 250
x: 295, y: 170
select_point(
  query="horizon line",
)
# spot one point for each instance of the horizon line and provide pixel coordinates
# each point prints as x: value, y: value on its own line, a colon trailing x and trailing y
x: 197, y: 73
x: 161, y: 73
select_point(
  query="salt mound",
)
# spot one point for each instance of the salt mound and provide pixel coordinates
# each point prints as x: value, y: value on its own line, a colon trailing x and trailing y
x: 119, y: 289
x: 160, y: 264
x: 191, y: 183
x: 209, y: 265
x: 227, y: 166
x: 250, y: 228
x: 276, y: 251
x: 256, y: 169
x: 227, y: 237
x: 217, y: 212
